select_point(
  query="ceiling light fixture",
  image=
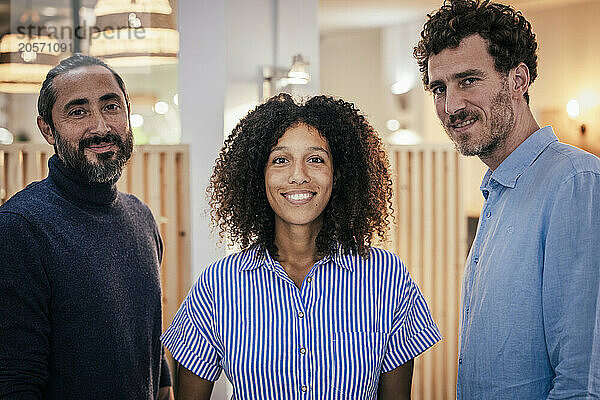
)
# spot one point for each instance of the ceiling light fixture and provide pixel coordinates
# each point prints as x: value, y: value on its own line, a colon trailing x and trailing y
x: 25, y: 61
x: 135, y: 33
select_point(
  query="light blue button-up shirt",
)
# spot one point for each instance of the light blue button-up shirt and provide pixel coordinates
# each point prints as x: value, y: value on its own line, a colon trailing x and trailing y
x: 352, y: 320
x: 530, y: 320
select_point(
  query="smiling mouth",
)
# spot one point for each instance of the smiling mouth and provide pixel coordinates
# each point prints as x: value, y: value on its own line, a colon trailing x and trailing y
x: 299, y: 197
x: 464, y: 123
x: 101, y: 148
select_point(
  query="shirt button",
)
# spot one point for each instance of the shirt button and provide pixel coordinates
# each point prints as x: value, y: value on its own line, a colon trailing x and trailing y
x: 475, y: 259
x: 460, y: 360
x: 303, y: 351
x: 300, y: 314
x: 304, y: 388
x: 309, y: 279
x: 488, y: 214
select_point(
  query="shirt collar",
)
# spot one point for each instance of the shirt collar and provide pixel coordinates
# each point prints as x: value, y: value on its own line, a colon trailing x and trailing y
x: 257, y: 256
x: 520, y: 159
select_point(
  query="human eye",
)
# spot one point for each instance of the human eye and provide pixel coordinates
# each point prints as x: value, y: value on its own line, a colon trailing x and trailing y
x: 438, y: 90
x: 77, y: 112
x: 316, y: 159
x: 469, y: 81
x: 279, y: 160
x: 113, y: 107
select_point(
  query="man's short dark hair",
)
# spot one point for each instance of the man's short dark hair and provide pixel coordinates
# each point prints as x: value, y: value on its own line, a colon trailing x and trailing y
x: 48, y: 93
x: 507, y: 32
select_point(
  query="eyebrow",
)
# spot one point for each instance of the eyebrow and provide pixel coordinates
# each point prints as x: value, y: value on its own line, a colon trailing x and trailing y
x: 457, y: 76
x: 110, y: 96
x: 315, y: 148
x: 82, y: 101
x: 75, y: 102
x: 469, y: 72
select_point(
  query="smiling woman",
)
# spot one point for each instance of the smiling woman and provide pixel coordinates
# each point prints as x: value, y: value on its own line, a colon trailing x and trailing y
x: 308, y: 305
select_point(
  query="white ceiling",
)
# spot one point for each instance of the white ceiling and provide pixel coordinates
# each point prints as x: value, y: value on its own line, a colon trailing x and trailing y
x: 359, y: 14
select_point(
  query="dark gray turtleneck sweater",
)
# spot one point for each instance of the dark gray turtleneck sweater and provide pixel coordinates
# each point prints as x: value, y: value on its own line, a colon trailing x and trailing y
x: 80, y: 299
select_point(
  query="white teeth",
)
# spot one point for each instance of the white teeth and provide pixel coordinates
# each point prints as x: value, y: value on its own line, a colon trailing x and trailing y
x: 464, y: 123
x: 299, y: 196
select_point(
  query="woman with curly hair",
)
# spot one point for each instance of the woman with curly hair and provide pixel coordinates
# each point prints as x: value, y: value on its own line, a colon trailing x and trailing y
x: 308, y: 308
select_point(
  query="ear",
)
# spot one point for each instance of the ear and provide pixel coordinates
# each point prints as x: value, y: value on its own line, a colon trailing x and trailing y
x: 45, y: 130
x: 519, y: 80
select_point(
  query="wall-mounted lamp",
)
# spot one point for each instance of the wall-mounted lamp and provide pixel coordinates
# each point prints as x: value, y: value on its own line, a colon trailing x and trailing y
x: 274, y: 79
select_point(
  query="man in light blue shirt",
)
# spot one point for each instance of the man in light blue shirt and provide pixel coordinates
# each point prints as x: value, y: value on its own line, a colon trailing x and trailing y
x: 530, y: 321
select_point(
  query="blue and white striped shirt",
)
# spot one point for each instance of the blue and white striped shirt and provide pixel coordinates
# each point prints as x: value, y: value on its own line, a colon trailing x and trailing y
x: 352, y: 320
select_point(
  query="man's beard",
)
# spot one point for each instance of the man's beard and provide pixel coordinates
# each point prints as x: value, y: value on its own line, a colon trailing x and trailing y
x: 502, y: 120
x: 107, y: 168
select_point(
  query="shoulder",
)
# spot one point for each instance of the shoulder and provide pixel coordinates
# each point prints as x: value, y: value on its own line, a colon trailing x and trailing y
x: 384, y: 259
x: 132, y: 203
x: 380, y: 263
x: 30, y: 200
x: 12, y: 222
x: 226, y: 269
x: 18, y: 233
x: 567, y: 161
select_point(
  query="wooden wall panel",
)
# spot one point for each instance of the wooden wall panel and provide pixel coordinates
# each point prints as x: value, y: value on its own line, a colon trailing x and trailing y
x: 429, y: 235
x: 428, y: 231
x: 158, y: 175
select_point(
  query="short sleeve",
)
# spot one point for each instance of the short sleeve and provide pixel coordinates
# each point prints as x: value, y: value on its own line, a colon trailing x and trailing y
x: 191, y: 337
x: 413, y: 329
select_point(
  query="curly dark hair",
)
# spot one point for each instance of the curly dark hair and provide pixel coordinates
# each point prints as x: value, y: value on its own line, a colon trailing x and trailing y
x: 361, y: 198
x: 508, y: 33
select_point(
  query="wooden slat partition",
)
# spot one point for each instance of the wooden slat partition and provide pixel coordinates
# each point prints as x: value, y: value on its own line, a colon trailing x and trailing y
x: 429, y: 235
x: 158, y: 175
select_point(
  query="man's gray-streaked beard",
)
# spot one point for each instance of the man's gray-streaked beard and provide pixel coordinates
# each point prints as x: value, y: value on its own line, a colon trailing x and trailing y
x: 107, y: 169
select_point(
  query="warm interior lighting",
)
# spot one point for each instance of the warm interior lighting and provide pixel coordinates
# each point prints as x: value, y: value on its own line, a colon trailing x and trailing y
x: 276, y: 78
x: 403, y: 85
x: 573, y: 108
x: 161, y: 107
x: 403, y: 137
x: 135, y: 33
x: 25, y: 61
x: 392, y: 125
x: 107, y: 7
x: 5, y: 136
x: 298, y: 73
x: 136, y: 120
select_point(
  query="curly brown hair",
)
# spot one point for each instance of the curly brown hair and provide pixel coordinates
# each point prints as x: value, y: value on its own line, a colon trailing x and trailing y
x: 508, y: 33
x: 361, y: 198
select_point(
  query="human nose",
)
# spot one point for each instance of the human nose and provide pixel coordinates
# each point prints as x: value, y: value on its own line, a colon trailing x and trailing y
x: 298, y: 174
x: 100, y: 127
x: 454, y: 102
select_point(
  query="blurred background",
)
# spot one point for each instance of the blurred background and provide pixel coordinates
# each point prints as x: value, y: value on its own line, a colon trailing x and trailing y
x: 193, y: 68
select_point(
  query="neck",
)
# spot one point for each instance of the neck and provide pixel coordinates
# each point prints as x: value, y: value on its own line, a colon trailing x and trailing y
x: 525, y: 125
x: 77, y: 187
x: 296, y: 244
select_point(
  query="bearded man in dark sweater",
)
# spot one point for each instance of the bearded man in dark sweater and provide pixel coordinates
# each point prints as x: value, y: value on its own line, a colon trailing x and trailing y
x: 80, y: 299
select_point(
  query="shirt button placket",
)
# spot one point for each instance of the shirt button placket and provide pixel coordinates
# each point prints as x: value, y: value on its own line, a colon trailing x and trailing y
x: 304, y: 360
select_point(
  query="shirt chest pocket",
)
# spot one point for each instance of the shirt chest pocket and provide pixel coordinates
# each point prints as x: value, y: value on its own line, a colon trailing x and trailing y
x: 356, y: 359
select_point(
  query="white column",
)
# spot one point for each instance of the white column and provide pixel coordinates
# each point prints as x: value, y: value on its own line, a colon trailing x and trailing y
x: 202, y: 83
x: 202, y: 77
